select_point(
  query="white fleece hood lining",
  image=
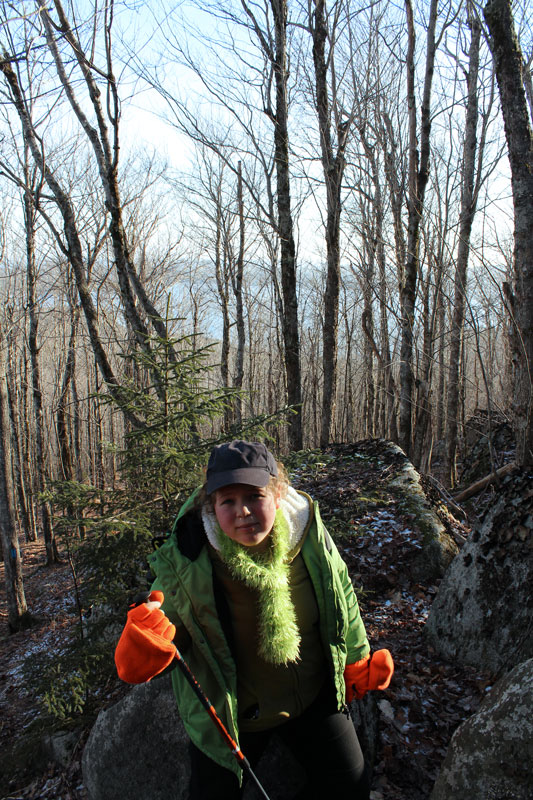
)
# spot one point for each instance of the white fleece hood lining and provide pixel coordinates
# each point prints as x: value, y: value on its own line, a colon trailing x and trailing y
x: 295, y: 508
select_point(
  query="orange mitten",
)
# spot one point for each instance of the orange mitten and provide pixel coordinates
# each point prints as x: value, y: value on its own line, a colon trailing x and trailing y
x: 145, y: 647
x: 372, y: 672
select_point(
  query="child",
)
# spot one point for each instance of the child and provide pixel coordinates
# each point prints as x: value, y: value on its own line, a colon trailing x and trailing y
x: 255, y: 595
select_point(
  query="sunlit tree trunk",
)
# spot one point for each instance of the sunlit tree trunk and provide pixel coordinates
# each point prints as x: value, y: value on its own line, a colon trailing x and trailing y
x: 26, y: 446
x: 508, y: 62
x: 17, y: 609
x: 239, y: 306
x: 421, y: 448
x: 33, y: 346
x: 440, y: 405
x: 418, y: 177
x: 291, y: 336
x: 63, y: 428
x: 386, y: 388
x: 13, y: 380
x: 468, y: 209
x: 333, y: 164
x: 275, y: 51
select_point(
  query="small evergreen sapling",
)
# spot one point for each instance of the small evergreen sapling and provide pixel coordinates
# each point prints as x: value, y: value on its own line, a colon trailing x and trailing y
x: 107, y: 532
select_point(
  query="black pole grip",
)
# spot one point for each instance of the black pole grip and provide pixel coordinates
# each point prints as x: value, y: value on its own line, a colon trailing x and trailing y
x: 140, y: 598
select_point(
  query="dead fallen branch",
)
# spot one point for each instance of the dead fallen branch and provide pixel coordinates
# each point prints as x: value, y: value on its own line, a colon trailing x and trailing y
x: 478, y: 486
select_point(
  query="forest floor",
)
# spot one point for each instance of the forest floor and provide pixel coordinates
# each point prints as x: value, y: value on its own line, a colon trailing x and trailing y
x: 428, y: 697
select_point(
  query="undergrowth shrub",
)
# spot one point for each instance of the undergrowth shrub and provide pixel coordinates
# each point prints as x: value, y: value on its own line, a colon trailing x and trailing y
x: 106, y: 534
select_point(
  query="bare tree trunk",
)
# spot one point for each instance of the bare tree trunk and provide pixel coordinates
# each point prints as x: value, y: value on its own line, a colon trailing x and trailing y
x: 63, y: 438
x: 393, y: 173
x: 421, y: 445
x: 17, y: 434
x: 237, y: 290
x: 508, y: 62
x: 347, y: 426
x: 333, y: 165
x: 221, y: 276
x: 386, y: 387
x: 441, y: 322
x: 76, y: 430
x: 291, y: 337
x: 17, y: 609
x: 388, y: 424
x: 368, y: 385
x: 26, y: 449
x: 41, y: 461
x: 418, y: 177
x: 276, y: 53
x: 368, y: 328
x: 468, y: 209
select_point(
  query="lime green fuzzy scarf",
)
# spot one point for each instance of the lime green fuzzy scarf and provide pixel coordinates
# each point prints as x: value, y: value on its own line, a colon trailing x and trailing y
x: 268, y: 574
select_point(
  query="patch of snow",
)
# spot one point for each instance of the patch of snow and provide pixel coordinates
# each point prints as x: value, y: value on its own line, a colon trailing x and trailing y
x: 386, y: 709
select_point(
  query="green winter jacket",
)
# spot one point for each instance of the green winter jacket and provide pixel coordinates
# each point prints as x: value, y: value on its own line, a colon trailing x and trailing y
x: 184, y: 573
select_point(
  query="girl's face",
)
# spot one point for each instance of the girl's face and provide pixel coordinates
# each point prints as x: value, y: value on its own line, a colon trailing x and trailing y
x: 245, y: 513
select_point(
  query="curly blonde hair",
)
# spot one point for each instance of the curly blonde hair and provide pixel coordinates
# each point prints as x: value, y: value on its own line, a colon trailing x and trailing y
x: 280, y: 482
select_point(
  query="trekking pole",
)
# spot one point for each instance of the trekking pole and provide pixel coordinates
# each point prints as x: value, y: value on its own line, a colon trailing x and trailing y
x: 231, y: 743
x: 202, y: 697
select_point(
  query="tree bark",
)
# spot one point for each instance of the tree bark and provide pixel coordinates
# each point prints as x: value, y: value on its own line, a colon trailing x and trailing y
x: 333, y: 165
x: 422, y: 445
x: 239, y: 308
x: 17, y: 435
x: 26, y: 449
x: 441, y: 325
x: 222, y: 287
x: 291, y: 336
x: 50, y: 543
x: 63, y: 438
x: 468, y: 210
x: 17, y: 609
x: 508, y: 63
x: 387, y: 388
x: 276, y: 53
x: 418, y: 177
x: 221, y: 276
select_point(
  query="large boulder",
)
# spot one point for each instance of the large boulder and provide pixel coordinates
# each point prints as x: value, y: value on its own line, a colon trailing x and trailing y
x: 437, y: 547
x: 370, y: 493
x: 490, y: 756
x: 482, y: 613
x: 138, y: 748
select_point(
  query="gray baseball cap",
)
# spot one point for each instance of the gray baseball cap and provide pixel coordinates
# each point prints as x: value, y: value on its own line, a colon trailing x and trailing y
x: 239, y: 462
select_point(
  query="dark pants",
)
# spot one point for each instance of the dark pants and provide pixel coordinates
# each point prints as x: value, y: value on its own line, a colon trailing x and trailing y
x: 322, y: 739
